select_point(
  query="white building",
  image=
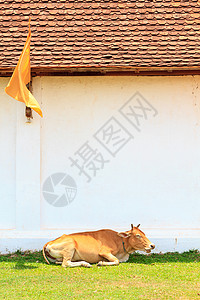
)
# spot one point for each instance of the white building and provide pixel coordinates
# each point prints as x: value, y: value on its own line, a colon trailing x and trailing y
x: 110, y: 150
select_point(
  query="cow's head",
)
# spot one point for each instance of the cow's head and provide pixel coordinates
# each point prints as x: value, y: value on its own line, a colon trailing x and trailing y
x: 137, y: 240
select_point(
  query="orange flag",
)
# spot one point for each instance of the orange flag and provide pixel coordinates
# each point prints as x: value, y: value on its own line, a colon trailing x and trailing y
x: 16, y: 87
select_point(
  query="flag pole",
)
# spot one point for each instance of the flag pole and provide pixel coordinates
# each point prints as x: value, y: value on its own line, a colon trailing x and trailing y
x: 28, y: 110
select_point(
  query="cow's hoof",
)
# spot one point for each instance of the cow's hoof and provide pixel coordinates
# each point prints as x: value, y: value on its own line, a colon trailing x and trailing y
x: 87, y: 265
x: 100, y: 264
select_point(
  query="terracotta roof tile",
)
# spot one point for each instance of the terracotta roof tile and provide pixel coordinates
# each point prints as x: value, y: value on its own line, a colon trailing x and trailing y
x: 102, y: 33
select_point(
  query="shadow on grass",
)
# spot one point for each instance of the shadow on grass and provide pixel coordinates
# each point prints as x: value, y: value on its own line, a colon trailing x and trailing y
x: 23, y: 266
x: 27, y: 260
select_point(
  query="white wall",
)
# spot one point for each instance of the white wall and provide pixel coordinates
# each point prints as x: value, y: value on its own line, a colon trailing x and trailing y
x: 152, y: 180
x: 7, y: 160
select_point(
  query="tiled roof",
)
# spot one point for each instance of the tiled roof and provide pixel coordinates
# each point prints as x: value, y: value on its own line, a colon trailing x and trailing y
x: 82, y: 33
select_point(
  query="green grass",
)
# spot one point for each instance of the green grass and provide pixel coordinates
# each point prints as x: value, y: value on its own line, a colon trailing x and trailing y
x: 156, y: 276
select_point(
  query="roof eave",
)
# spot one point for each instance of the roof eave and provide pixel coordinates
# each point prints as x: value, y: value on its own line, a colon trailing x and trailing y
x: 55, y: 70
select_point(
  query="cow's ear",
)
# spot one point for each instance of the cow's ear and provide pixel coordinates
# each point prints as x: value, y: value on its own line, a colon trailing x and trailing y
x: 124, y: 234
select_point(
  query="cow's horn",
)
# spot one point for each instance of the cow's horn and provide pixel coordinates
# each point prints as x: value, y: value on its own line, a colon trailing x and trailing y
x: 132, y: 226
x: 138, y: 226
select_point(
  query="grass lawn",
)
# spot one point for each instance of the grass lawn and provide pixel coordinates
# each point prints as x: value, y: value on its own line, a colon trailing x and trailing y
x: 168, y: 276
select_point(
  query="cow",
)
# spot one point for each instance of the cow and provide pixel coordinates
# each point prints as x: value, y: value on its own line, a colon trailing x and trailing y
x: 104, y: 247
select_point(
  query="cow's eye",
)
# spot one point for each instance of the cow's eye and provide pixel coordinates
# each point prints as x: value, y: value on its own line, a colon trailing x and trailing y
x: 138, y: 236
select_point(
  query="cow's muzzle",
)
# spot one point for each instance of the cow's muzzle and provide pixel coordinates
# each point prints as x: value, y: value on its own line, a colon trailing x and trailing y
x: 151, y: 247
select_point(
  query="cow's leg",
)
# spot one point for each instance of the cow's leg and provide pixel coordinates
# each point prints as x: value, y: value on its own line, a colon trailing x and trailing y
x: 112, y: 260
x: 67, y: 257
x: 69, y: 263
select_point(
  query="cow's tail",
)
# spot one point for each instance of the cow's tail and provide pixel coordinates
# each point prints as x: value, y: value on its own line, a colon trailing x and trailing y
x: 43, y: 251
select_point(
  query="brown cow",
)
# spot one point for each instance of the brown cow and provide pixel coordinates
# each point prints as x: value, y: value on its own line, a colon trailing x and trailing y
x: 105, y: 247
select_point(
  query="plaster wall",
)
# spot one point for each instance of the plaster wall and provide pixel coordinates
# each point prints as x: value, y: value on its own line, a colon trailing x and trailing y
x: 142, y: 169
